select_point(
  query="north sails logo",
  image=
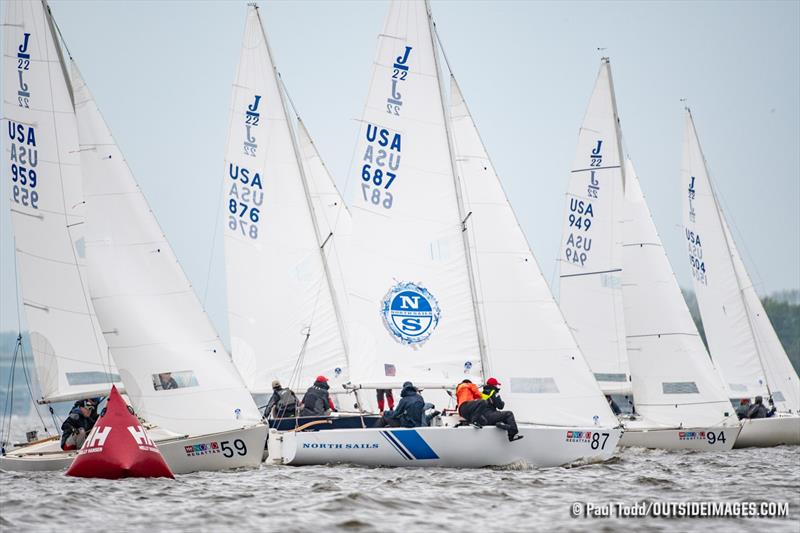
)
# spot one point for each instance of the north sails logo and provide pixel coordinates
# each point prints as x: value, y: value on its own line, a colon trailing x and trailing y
x: 410, y: 313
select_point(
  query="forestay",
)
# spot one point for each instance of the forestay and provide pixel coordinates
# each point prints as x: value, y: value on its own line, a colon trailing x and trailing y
x: 741, y: 338
x: 176, y: 370
x: 590, y: 292
x: 674, y: 380
x: 409, y: 293
x: 530, y: 348
x: 47, y: 209
x: 278, y: 224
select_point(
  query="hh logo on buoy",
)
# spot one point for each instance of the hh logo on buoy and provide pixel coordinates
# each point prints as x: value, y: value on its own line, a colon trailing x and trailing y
x: 143, y: 440
x: 410, y: 313
x: 95, y: 441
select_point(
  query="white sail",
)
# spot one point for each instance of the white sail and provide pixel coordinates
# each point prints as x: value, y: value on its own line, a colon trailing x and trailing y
x: 47, y: 211
x: 530, y: 347
x: 282, y: 311
x: 674, y: 381
x: 175, y: 368
x: 741, y: 338
x: 409, y: 289
x: 590, y: 292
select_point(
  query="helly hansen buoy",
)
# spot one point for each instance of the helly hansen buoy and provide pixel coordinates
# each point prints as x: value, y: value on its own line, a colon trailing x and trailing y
x: 118, y: 446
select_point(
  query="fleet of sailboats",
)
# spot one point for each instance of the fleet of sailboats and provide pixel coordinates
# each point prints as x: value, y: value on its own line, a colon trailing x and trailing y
x: 614, y: 272
x: 426, y: 277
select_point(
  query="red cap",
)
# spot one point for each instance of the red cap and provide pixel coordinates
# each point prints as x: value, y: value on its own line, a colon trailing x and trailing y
x: 492, y: 382
x: 322, y: 379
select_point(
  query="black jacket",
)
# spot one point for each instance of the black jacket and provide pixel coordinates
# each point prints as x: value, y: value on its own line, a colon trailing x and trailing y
x: 492, y: 397
x: 75, y: 422
x: 283, y: 409
x: 410, y: 408
x: 316, y: 401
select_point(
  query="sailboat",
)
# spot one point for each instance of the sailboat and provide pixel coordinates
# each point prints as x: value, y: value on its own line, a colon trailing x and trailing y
x: 741, y: 338
x: 432, y: 283
x: 283, y: 220
x: 620, y: 296
x: 48, y: 218
x: 177, y: 374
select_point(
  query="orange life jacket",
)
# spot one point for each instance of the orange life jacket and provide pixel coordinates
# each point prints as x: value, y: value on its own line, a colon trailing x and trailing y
x: 466, y: 392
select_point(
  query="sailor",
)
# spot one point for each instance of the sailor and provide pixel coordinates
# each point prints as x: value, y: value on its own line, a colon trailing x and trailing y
x: 409, y: 412
x: 467, y: 391
x: 470, y: 403
x: 493, y: 416
x: 282, y: 403
x: 757, y: 410
x: 317, y: 401
x: 613, y: 405
x: 387, y: 394
x: 167, y: 381
x: 78, y: 424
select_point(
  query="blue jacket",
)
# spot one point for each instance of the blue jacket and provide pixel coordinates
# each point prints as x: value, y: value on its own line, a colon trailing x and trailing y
x: 75, y: 422
x: 411, y: 407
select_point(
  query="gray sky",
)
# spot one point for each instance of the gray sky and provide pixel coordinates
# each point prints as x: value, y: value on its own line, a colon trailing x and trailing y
x: 161, y: 73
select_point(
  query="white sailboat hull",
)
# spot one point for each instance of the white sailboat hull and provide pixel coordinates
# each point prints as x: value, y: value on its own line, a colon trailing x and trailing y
x: 459, y: 447
x: 239, y: 448
x: 40, y: 457
x: 765, y: 432
x: 715, y: 438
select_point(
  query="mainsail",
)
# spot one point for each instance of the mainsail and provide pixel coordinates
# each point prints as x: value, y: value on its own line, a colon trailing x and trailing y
x: 674, y: 380
x: 47, y: 209
x: 740, y: 336
x: 528, y: 344
x: 282, y: 219
x: 591, y: 262
x: 409, y: 290
x: 177, y: 372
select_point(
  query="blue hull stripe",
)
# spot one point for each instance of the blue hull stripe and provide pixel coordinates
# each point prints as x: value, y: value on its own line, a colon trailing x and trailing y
x: 396, y: 445
x: 415, y: 444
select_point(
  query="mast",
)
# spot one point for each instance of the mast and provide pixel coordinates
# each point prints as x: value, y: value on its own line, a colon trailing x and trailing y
x: 722, y: 224
x: 459, y: 200
x: 309, y: 202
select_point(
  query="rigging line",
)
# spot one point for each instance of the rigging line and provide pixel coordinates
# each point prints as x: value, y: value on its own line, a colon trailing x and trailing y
x: 60, y: 35
x: 213, y: 245
x: 28, y: 383
x: 8, y: 406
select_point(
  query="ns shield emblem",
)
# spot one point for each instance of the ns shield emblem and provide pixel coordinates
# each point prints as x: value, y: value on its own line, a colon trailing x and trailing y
x: 410, y: 313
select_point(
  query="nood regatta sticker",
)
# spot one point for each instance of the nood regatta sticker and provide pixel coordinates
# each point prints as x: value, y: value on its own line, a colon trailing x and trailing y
x: 410, y: 313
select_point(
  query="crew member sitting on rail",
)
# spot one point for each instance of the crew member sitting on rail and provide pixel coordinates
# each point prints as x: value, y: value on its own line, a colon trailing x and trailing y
x: 493, y: 416
x: 282, y: 403
x: 317, y: 401
x: 757, y: 410
x: 409, y: 412
x: 78, y: 424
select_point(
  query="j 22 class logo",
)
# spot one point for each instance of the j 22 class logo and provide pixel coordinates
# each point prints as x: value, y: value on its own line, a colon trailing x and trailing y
x: 410, y: 313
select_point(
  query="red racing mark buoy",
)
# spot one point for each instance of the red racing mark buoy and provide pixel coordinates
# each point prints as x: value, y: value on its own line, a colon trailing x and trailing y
x: 118, y: 446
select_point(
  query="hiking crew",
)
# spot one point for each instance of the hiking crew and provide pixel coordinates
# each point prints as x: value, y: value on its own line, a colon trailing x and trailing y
x: 409, y: 412
x: 78, y: 424
x: 282, y: 403
x: 317, y: 401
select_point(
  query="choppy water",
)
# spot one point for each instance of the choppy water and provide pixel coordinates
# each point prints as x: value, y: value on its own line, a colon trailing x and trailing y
x: 404, y: 499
